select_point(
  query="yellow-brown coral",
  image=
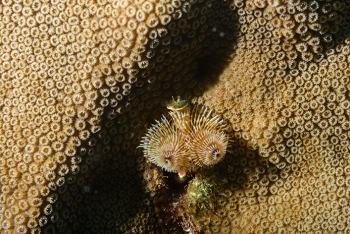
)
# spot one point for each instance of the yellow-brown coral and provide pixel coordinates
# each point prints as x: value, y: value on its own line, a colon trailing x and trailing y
x: 76, y: 82
x: 285, y: 97
x: 100, y: 67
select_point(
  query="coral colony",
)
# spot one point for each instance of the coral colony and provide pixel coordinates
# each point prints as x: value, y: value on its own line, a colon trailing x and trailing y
x: 79, y: 79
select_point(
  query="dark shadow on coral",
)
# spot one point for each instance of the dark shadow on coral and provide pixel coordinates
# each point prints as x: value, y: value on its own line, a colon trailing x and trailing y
x: 200, y: 60
x: 110, y: 197
x: 207, y: 35
x: 114, y: 201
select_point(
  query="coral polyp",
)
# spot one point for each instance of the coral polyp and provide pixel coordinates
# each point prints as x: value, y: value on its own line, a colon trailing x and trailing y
x: 193, y: 138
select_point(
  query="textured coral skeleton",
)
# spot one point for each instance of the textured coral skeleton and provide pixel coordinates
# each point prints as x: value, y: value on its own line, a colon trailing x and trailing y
x: 80, y: 78
x: 287, y: 97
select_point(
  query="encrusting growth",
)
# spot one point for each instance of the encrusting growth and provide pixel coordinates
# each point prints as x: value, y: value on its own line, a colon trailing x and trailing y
x: 75, y: 84
x: 191, y: 139
x: 80, y: 77
x: 286, y: 97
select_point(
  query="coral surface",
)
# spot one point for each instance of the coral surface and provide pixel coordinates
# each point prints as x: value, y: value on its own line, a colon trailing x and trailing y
x: 81, y: 81
x: 286, y: 95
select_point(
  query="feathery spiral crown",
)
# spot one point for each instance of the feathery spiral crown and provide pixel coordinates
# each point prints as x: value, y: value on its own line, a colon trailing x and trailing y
x: 194, y: 138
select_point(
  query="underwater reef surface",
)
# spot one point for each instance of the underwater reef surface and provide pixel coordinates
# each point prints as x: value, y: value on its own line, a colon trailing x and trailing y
x: 81, y: 81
